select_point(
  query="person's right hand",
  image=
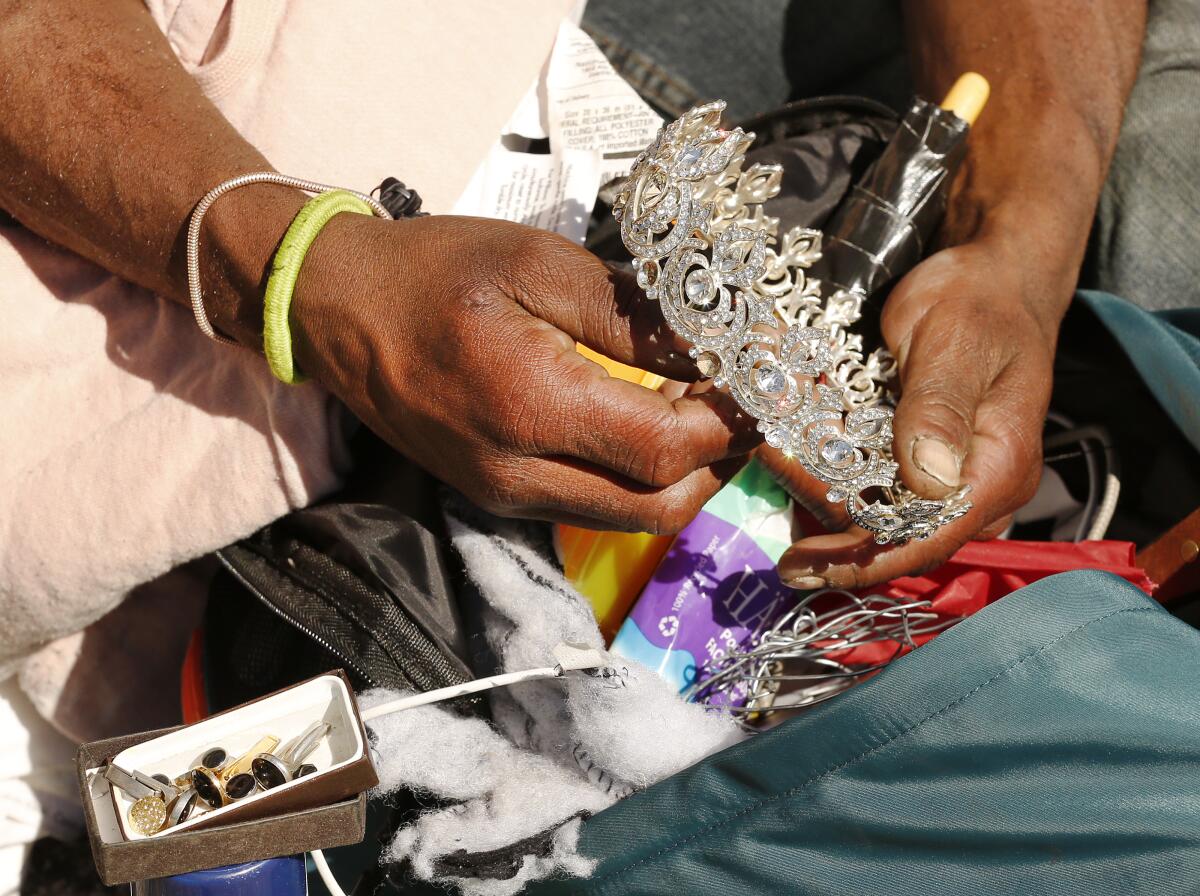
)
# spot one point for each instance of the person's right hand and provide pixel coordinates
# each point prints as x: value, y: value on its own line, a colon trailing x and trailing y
x: 454, y: 339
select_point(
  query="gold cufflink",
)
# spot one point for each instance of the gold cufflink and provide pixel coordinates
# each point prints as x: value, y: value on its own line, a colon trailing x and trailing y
x: 218, y: 789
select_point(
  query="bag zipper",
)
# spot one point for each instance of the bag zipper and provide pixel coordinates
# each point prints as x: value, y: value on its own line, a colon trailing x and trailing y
x: 433, y: 670
x: 349, y: 662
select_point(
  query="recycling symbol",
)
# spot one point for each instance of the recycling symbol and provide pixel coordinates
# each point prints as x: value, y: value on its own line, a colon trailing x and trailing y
x: 668, y: 625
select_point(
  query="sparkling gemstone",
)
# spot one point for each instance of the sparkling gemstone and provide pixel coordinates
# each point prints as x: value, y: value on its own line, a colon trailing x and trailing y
x: 690, y: 156
x: 776, y: 437
x: 699, y: 288
x: 708, y: 364
x: 837, y: 451
x: 770, y: 379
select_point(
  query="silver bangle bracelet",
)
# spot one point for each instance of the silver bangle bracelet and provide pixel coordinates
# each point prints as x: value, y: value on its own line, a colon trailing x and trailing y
x: 195, y: 291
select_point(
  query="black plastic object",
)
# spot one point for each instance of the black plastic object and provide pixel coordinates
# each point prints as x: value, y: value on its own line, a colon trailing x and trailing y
x: 883, y: 227
x: 400, y: 200
x: 824, y: 146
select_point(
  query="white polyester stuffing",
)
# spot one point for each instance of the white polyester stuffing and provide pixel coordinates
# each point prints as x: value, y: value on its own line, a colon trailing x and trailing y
x: 560, y: 750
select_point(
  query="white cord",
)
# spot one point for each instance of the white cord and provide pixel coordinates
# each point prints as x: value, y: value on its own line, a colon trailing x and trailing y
x: 1097, y: 513
x: 195, y: 292
x: 1094, y: 481
x: 571, y: 658
x: 331, y: 883
x: 1107, y: 508
x: 458, y: 690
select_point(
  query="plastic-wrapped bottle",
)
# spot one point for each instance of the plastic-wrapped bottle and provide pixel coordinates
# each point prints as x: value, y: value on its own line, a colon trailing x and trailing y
x: 717, y: 585
x: 610, y: 568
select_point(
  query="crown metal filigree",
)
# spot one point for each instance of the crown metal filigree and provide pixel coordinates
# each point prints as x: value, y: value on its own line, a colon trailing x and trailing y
x: 704, y: 248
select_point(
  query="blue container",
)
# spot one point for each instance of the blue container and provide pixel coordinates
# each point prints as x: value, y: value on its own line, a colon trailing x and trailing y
x: 284, y: 876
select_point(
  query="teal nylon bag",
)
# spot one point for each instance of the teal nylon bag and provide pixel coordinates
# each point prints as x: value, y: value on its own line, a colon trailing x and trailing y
x: 1164, y: 348
x: 1050, y: 744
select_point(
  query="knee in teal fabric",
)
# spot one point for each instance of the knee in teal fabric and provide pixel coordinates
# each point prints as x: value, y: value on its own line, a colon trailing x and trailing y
x: 1164, y: 348
x: 1049, y: 744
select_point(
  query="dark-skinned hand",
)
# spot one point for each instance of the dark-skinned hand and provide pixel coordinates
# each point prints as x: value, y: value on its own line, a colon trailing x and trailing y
x: 975, y: 360
x: 454, y: 339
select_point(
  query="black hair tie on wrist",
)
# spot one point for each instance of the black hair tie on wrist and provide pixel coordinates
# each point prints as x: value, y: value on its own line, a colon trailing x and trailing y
x: 401, y: 201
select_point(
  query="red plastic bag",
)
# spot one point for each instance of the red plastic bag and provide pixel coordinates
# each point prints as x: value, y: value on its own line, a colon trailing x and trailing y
x: 985, y: 571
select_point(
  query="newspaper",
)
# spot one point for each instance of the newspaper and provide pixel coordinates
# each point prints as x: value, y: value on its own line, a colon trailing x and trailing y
x: 554, y: 192
x: 593, y: 107
x: 595, y: 124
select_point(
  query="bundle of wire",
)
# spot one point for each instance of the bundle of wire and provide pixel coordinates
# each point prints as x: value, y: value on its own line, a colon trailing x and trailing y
x: 801, y: 660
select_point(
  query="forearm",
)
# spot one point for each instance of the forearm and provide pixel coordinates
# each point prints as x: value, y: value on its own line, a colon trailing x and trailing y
x: 1060, y: 72
x: 106, y: 144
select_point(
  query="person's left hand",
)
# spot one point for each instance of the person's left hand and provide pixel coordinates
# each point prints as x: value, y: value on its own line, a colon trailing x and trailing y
x: 973, y: 329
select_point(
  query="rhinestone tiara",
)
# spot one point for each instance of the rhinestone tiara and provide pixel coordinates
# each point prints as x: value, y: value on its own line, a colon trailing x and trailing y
x: 706, y: 251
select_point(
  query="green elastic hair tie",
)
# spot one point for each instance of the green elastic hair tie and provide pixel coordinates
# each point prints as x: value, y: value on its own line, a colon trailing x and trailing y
x: 285, y: 269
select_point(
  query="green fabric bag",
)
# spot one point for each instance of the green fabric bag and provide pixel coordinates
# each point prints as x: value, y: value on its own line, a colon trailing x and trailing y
x: 1164, y: 348
x: 1050, y: 744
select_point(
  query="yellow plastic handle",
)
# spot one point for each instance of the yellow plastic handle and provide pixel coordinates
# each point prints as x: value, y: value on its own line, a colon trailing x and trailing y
x: 968, y: 96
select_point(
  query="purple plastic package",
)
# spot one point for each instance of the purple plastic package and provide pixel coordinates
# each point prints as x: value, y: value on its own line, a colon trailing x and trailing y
x: 716, y: 586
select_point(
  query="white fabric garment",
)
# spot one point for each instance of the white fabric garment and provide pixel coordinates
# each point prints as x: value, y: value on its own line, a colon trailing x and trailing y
x: 39, y: 796
x: 131, y: 443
